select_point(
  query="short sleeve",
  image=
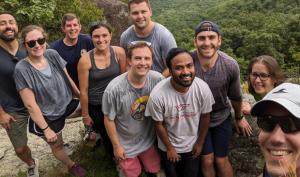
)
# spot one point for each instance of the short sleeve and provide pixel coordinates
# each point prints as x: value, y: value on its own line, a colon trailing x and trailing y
x: 154, y: 109
x: 208, y: 99
x: 109, y: 105
x: 21, y: 79
x: 234, y: 90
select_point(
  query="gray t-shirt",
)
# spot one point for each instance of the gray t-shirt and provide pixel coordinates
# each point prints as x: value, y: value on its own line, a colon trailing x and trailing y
x: 52, y: 93
x: 126, y: 106
x: 161, y: 39
x: 180, y: 112
x: 224, y: 81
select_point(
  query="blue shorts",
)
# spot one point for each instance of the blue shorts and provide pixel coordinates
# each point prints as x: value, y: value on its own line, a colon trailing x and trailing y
x: 218, y: 138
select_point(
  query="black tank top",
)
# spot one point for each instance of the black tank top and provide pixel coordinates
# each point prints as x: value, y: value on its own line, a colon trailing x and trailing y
x: 100, y: 78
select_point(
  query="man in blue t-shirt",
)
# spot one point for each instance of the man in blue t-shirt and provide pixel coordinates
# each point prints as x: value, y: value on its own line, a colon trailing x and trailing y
x: 13, y: 115
x: 73, y: 44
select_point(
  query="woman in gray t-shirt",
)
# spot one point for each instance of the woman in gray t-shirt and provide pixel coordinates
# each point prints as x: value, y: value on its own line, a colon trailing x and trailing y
x: 46, y: 90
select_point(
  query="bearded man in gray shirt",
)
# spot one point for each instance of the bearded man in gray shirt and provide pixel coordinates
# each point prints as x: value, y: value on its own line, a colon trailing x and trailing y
x: 222, y: 74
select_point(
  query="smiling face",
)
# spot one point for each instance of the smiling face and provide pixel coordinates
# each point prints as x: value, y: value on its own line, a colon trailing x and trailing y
x: 261, y: 87
x: 8, y: 27
x: 280, y: 150
x: 140, y: 62
x: 101, y: 38
x: 140, y: 15
x: 182, y: 71
x: 72, y: 29
x: 38, y: 50
x: 207, y: 43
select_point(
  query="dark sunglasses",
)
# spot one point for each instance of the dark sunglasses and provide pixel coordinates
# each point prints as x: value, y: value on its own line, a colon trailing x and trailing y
x: 288, y: 124
x: 32, y: 43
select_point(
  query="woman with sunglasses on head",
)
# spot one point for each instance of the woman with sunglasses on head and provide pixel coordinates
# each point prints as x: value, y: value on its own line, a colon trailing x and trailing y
x: 46, y: 90
x: 263, y: 74
x: 95, y: 70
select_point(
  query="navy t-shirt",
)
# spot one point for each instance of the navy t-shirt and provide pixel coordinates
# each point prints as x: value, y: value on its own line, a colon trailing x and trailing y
x: 72, y: 54
x: 9, y: 97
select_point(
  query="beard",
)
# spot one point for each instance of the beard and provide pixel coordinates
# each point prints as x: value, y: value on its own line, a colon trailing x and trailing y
x: 8, y: 38
x: 182, y: 83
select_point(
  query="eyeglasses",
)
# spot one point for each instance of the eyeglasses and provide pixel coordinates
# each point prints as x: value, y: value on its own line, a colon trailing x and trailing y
x: 32, y: 43
x: 262, y: 76
x: 288, y: 124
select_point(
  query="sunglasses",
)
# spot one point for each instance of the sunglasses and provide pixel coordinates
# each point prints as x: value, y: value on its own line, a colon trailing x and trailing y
x: 32, y: 43
x: 288, y: 124
x: 262, y: 76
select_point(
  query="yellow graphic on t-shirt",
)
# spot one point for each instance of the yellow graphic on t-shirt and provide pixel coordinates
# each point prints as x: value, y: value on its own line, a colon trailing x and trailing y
x: 138, y: 108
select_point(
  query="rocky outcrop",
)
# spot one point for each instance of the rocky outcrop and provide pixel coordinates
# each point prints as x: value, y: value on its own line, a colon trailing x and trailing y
x: 115, y: 13
x: 11, y: 165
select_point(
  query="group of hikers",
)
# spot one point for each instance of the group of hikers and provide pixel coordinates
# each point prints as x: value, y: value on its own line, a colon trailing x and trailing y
x: 157, y: 107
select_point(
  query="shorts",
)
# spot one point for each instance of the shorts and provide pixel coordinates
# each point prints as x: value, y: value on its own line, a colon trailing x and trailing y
x: 131, y: 167
x: 218, y: 138
x: 18, y: 131
x: 56, y: 125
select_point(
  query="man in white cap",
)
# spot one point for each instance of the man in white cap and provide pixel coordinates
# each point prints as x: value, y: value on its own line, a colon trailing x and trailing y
x: 278, y: 117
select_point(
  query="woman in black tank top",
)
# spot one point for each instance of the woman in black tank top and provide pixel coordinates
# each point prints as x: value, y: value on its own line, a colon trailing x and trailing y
x: 95, y: 70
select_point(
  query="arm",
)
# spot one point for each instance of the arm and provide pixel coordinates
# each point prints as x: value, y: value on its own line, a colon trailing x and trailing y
x: 73, y: 85
x: 34, y: 110
x: 241, y: 122
x: 166, y: 73
x: 163, y: 135
x: 83, y: 68
x: 111, y: 130
x: 5, y: 119
x: 203, y: 128
x: 121, y: 57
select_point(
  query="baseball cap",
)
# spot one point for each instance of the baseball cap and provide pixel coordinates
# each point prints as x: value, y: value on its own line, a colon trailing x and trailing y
x: 207, y: 26
x: 287, y: 95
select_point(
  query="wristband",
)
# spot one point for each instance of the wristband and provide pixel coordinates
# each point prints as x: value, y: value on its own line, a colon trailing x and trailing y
x: 239, y: 117
x: 45, y: 128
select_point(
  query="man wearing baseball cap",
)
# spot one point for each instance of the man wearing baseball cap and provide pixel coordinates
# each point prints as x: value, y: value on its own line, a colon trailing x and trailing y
x: 221, y: 72
x: 278, y: 117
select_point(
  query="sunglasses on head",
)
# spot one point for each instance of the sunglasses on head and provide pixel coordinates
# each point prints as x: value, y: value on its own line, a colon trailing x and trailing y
x: 288, y: 124
x: 32, y: 43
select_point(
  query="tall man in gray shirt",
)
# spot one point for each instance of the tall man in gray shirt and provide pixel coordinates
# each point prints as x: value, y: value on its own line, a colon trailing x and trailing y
x: 123, y: 104
x: 13, y: 115
x: 221, y: 72
x: 144, y: 29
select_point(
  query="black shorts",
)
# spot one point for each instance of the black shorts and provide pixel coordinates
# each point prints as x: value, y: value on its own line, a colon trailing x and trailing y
x: 56, y: 125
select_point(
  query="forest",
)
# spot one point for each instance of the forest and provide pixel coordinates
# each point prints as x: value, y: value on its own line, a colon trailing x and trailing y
x: 248, y: 28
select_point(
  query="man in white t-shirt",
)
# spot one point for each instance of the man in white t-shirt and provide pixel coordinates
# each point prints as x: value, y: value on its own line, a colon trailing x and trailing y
x: 180, y: 106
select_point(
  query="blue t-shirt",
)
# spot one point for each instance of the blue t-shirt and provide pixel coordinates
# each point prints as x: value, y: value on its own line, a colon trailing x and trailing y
x: 9, y: 97
x: 72, y: 54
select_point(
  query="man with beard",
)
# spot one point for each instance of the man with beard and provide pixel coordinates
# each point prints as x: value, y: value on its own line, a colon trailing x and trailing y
x: 144, y: 29
x: 131, y: 133
x: 278, y: 117
x: 13, y: 115
x: 222, y: 74
x: 73, y: 44
x: 180, y: 106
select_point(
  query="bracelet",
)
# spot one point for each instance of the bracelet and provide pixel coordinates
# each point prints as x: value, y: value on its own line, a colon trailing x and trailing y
x: 239, y: 118
x: 45, y: 128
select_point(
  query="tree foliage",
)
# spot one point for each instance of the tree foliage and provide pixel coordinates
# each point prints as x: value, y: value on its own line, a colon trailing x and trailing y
x: 48, y: 13
x: 249, y: 28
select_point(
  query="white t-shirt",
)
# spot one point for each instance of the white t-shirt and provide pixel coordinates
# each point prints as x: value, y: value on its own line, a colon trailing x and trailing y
x: 180, y: 112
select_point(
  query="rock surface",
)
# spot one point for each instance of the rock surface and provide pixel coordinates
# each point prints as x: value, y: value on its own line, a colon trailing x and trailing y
x: 11, y: 165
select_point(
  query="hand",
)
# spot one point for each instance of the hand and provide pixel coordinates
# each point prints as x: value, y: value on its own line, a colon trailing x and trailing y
x: 172, y: 155
x: 244, y: 126
x: 6, y: 120
x: 246, y: 107
x: 196, y: 150
x: 119, y: 153
x: 87, y: 120
x: 50, y: 135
